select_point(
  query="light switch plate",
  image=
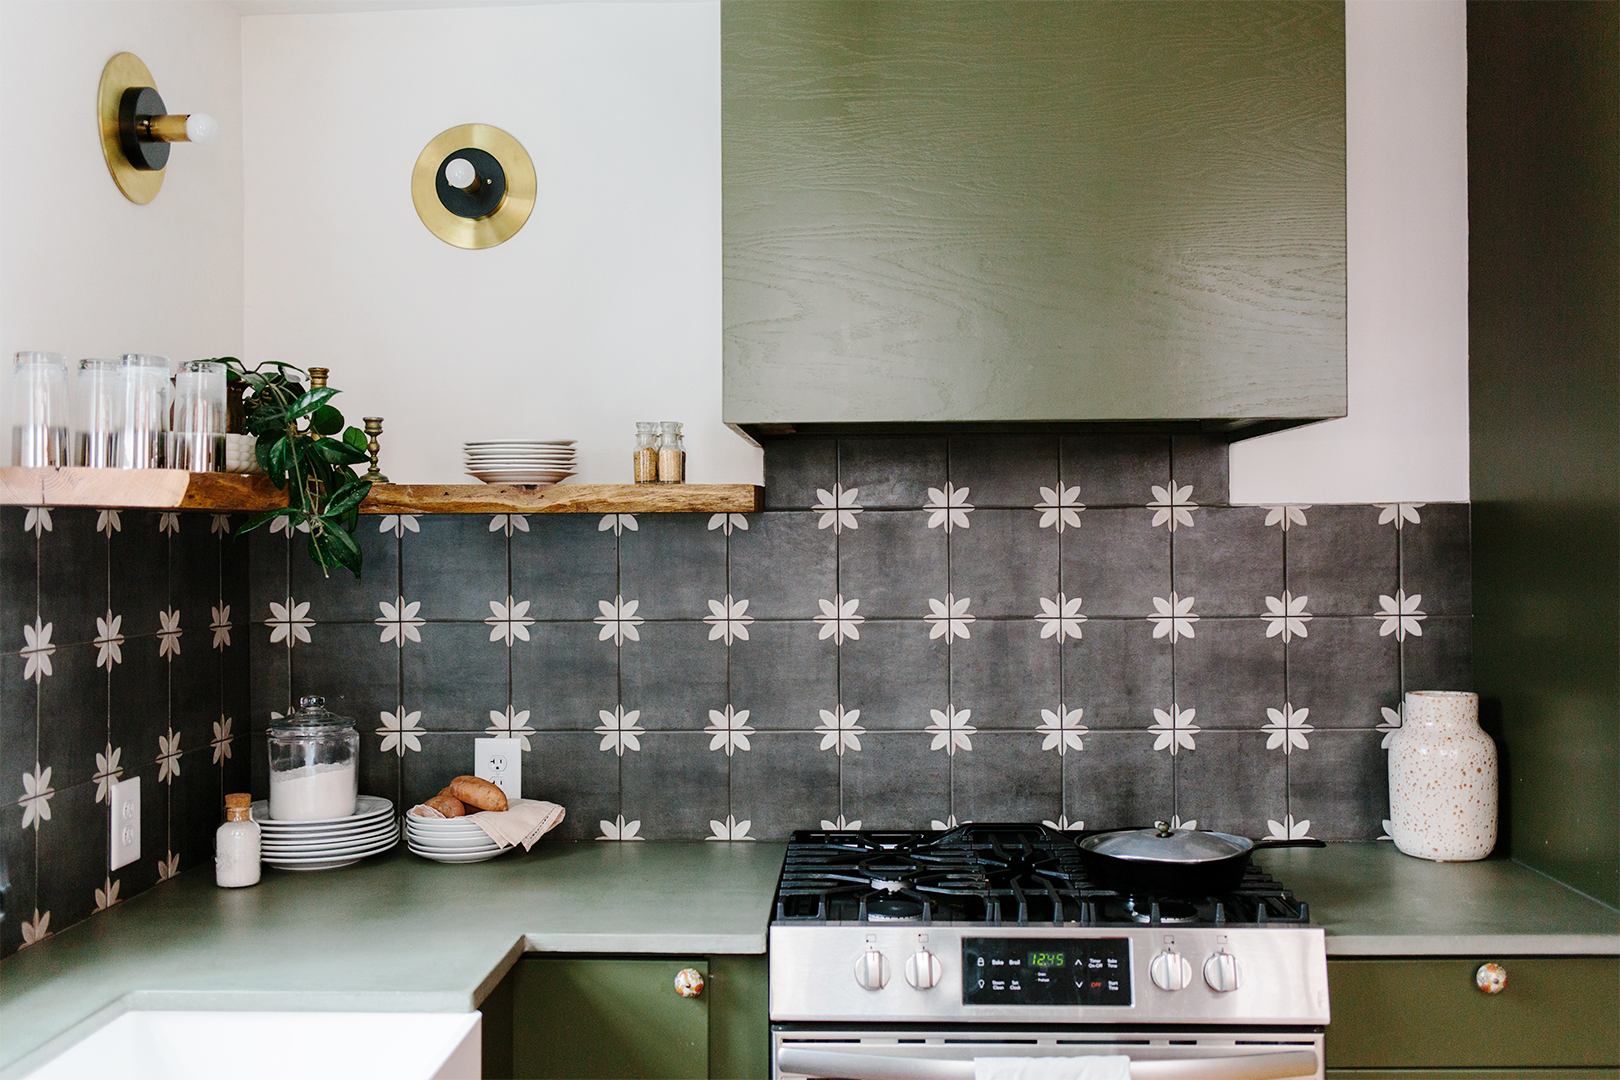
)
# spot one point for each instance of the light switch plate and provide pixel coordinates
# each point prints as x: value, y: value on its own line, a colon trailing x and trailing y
x: 125, y: 844
x: 500, y: 761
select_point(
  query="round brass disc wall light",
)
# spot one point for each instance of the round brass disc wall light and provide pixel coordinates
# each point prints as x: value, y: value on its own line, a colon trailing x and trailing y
x: 473, y: 186
x: 136, y: 129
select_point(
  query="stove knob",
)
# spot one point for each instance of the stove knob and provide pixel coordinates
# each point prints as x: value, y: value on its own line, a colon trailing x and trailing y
x: 872, y: 970
x: 1170, y: 971
x: 923, y: 970
x: 1221, y: 972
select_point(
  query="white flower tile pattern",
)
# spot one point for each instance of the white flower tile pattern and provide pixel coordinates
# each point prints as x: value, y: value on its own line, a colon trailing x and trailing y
x: 874, y: 653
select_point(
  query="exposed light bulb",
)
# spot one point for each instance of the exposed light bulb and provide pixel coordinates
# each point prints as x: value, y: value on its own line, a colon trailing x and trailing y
x: 200, y: 127
x: 461, y: 174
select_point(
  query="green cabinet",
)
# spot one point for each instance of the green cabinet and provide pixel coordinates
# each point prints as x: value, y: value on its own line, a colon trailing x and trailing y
x: 591, y: 1016
x: 1394, y: 1017
x: 1004, y: 210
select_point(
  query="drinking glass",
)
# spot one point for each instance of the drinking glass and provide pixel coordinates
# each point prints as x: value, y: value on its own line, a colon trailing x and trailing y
x: 98, y: 408
x: 39, y: 409
x: 196, y: 439
x: 146, y: 410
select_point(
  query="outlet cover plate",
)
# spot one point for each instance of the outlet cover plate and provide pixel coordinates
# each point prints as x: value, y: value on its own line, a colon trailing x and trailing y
x: 500, y: 761
x: 124, y: 846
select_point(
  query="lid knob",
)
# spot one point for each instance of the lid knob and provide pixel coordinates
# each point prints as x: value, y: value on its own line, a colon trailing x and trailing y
x: 1163, y: 828
x: 311, y: 701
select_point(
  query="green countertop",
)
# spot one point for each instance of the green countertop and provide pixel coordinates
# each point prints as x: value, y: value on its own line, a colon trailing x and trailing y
x: 392, y: 934
x: 1374, y: 901
x: 397, y: 934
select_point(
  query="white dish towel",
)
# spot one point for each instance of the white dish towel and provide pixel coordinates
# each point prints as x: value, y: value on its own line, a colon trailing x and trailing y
x: 1110, y: 1067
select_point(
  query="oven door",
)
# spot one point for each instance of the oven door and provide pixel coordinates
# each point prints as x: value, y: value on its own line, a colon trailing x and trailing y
x: 799, y: 1052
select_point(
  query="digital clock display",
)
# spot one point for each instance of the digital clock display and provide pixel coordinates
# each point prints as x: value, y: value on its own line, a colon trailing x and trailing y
x: 1078, y: 970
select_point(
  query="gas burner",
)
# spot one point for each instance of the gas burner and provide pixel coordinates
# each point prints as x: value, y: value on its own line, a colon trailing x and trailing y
x: 893, y: 909
x: 1171, y: 912
x: 993, y: 875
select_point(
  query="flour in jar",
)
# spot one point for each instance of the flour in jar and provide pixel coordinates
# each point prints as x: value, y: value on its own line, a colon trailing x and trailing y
x: 313, y: 793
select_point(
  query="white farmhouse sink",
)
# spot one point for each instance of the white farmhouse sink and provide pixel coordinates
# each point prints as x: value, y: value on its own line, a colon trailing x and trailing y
x: 274, y: 1046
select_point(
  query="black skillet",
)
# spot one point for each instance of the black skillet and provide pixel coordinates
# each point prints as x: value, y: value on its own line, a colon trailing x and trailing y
x: 1172, y: 862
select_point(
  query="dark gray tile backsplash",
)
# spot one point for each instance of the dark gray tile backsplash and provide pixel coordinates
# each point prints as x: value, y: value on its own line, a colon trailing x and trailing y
x: 909, y: 636
x: 126, y: 656
x: 915, y: 632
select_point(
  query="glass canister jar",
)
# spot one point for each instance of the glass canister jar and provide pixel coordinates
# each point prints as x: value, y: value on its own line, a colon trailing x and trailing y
x: 314, y: 764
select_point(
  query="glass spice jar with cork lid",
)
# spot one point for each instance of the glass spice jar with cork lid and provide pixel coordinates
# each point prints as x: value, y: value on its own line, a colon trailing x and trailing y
x: 236, y: 844
x: 646, y: 457
x: 671, y: 454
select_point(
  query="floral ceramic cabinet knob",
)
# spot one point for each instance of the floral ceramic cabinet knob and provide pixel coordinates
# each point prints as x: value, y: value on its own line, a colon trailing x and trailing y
x: 688, y: 982
x: 1491, y: 978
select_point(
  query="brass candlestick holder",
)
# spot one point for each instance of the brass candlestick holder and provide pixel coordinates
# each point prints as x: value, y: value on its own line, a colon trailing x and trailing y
x: 373, y: 428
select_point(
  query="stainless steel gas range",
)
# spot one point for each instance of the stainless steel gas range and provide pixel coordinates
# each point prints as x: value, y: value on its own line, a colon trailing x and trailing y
x: 904, y: 956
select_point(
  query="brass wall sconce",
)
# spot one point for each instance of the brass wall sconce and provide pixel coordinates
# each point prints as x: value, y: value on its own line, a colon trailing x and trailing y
x: 473, y: 186
x: 136, y: 128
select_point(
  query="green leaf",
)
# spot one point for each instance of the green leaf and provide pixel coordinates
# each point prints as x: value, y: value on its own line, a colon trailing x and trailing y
x: 269, y: 515
x: 310, y: 402
x: 331, y: 546
x: 359, y: 440
x: 336, y: 453
x: 326, y: 421
x: 281, y: 461
x: 346, y: 498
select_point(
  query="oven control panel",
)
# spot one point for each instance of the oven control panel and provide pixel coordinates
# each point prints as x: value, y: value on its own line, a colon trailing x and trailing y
x: 1046, y: 971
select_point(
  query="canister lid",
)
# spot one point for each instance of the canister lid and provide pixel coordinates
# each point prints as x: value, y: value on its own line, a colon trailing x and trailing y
x: 312, y: 716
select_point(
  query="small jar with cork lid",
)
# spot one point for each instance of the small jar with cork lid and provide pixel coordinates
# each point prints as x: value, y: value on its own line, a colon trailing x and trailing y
x: 646, y: 457
x: 236, y: 844
x: 671, y: 454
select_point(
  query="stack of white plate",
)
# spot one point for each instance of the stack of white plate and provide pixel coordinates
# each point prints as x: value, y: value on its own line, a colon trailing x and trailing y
x: 321, y: 845
x: 540, y: 462
x: 451, y: 840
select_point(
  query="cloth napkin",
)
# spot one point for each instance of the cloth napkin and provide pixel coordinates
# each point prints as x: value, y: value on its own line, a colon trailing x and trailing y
x: 1110, y: 1067
x: 522, y: 822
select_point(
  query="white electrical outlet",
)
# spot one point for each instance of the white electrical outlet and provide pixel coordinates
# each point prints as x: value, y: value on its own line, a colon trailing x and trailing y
x: 500, y: 761
x: 125, y: 846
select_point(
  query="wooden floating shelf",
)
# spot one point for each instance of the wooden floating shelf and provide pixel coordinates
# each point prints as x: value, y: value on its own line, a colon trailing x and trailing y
x: 171, y: 489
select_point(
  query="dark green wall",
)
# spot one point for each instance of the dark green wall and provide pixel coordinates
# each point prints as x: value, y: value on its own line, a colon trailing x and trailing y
x: 1544, y: 385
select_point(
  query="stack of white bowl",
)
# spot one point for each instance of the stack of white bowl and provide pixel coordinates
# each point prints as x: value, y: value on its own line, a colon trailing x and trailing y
x: 538, y: 462
x: 449, y: 840
x: 323, y: 844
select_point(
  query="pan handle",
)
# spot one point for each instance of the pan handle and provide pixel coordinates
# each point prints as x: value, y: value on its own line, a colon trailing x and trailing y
x: 1276, y: 842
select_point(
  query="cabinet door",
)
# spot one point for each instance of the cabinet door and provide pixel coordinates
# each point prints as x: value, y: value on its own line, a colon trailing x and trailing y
x: 1413, y: 1014
x: 997, y: 210
x: 584, y: 1017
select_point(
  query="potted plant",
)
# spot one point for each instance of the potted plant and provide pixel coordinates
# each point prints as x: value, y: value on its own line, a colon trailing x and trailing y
x: 304, y: 448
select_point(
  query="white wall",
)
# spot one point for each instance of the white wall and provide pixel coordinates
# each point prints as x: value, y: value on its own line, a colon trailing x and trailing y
x: 603, y: 310
x: 1406, y: 435
x: 606, y: 307
x: 83, y: 270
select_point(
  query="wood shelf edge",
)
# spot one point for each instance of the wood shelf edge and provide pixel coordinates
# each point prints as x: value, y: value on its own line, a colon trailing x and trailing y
x: 171, y: 489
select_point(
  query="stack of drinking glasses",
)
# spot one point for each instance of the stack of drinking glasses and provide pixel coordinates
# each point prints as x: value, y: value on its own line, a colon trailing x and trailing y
x: 128, y: 413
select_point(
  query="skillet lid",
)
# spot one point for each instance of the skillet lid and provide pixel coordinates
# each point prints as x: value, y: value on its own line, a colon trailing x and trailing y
x: 1162, y: 844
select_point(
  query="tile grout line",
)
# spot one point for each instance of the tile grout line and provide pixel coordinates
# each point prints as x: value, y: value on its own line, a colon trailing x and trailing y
x: 838, y: 597
x: 1288, y: 675
x: 1063, y: 705
x: 950, y: 648
x: 1175, y: 707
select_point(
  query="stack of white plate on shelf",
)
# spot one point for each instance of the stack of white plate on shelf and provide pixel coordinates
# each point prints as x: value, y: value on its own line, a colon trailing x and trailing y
x: 450, y: 840
x: 323, y: 844
x: 540, y: 462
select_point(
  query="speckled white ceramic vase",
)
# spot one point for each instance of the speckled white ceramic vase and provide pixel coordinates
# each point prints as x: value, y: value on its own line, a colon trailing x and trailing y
x: 1442, y: 779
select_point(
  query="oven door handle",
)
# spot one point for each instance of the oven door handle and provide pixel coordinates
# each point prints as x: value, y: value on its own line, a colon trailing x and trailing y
x: 1276, y: 1065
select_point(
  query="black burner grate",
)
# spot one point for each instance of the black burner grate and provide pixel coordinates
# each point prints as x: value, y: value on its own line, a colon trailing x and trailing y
x: 992, y: 875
